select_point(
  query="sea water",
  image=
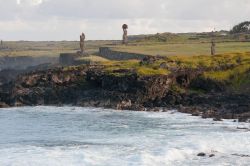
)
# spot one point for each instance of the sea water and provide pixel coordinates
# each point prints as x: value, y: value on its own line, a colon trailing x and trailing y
x: 65, y: 136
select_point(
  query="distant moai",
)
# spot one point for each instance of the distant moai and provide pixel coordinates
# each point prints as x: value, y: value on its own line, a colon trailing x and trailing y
x: 213, y: 45
x: 125, y: 34
x: 82, y: 43
x: 1, y: 46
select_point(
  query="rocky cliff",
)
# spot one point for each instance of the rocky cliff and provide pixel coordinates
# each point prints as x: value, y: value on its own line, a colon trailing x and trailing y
x: 143, y: 87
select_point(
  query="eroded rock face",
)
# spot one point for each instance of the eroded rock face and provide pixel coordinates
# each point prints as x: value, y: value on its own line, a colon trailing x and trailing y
x: 184, y: 76
x: 130, y: 92
x: 86, y: 86
x: 208, y: 85
x: 42, y: 87
x: 147, y: 60
x: 91, y: 86
x: 8, y: 75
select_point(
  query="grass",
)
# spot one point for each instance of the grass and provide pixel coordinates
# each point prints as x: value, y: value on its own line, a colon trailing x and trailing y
x: 165, y: 49
x: 147, y: 71
x: 92, y: 58
x: 207, y: 61
x: 240, y: 61
x: 233, y: 68
x: 114, y: 68
x: 175, y: 44
x: 181, y: 49
x: 48, y: 48
x: 222, y: 67
x: 203, y: 37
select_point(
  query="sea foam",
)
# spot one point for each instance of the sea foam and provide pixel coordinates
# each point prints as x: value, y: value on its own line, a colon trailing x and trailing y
x: 51, y: 136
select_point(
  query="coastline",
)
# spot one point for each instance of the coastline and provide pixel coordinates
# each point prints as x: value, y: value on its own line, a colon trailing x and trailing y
x: 184, y: 89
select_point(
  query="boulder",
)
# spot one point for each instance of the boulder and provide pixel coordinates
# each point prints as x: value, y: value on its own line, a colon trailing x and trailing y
x: 3, y: 105
x: 201, y: 154
x: 211, y: 155
x: 124, y: 105
x: 164, y: 65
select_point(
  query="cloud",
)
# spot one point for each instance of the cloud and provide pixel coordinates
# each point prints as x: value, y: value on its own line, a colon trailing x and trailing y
x: 29, y: 2
x: 64, y: 19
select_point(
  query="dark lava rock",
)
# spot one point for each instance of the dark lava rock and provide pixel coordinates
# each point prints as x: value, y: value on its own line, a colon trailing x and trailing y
x: 244, y: 118
x: 151, y: 59
x: 3, y: 105
x: 163, y: 65
x: 241, y: 155
x: 217, y: 118
x: 211, y: 155
x: 201, y: 154
x: 242, y: 128
x: 209, y: 114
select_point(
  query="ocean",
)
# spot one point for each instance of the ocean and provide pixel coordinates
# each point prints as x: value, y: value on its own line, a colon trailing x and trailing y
x: 75, y: 136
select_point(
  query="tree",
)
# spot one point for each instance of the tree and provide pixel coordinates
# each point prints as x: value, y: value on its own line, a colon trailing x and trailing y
x: 243, y: 27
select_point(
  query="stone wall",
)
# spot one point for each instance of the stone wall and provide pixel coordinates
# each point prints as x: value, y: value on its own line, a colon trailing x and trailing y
x: 107, y: 53
x: 67, y: 58
x: 24, y: 62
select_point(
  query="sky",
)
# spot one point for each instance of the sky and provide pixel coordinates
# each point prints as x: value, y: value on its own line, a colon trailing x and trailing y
x: 42, y: 20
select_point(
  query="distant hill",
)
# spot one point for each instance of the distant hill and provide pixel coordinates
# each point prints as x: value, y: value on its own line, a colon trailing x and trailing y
x: 219, y: 36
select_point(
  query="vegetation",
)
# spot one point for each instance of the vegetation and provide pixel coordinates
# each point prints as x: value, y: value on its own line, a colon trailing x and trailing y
x: 232, y: 68
x: 164, y: 44
x: 243, y: 27
x: 187, y: 50
x: 47, y: 48
x: 165, y: 49
x: 120, y: 68
x: 93, y: 58
x: 181, y: 38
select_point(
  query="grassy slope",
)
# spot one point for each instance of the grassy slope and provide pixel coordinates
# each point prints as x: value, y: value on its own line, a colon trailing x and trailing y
x: 233, y: 68
x: 231, y: 64
x: 165, y: 49
x: 184, y: 53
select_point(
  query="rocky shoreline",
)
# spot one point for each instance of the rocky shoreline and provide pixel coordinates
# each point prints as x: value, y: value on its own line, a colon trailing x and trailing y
x: 91, y: 86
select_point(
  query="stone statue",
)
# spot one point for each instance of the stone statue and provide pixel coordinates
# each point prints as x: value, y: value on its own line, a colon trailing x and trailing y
x: 213, y: 47
x: 82, y: 44
x: 125, y: 34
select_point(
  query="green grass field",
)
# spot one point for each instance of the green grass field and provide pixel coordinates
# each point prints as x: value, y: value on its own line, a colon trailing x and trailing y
x: 48, y: 48
x: 165, y: 49
x: 165, y: 44
x: 230, y: 68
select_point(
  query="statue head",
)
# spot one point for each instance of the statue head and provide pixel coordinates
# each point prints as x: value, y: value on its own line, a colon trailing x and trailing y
x: 124, y: 26
x: 83, y: 35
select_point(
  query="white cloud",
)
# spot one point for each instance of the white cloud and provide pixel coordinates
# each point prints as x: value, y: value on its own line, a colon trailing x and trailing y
x: 29, y: 2
x: 102, y: 19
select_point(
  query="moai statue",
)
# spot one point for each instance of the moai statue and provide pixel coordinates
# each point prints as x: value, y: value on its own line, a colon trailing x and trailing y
x: 82, y: 44
x: 213, y: 47
x: 125, y: 34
